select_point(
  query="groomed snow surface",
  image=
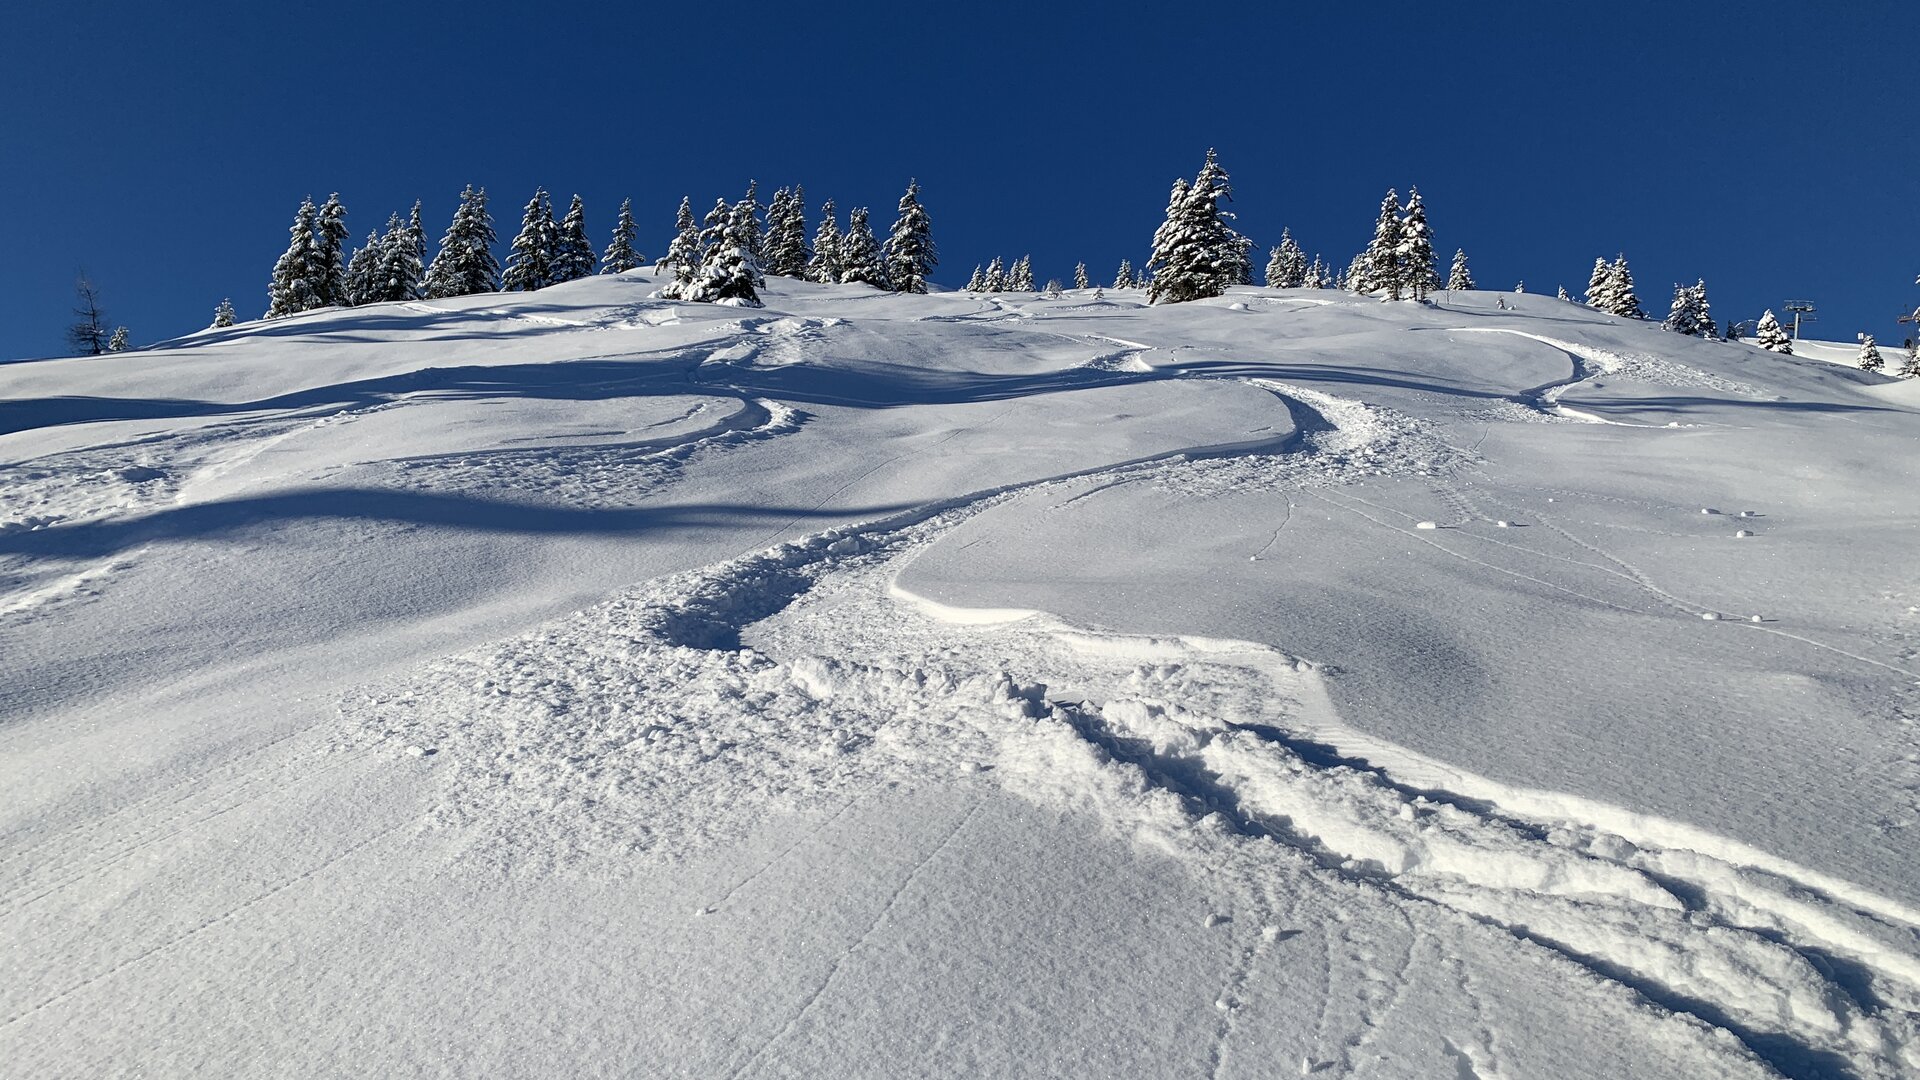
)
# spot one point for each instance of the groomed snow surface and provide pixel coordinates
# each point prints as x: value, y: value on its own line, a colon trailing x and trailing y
x: 582, y: 684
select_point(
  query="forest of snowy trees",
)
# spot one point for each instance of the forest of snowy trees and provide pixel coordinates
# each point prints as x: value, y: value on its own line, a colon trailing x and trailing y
x: 724, y: 256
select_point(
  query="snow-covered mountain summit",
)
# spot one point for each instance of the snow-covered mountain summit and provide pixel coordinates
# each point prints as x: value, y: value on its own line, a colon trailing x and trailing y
x: 879, y: 684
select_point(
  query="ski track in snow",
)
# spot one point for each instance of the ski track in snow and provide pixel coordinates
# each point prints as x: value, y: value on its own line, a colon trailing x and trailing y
x: 676, y: 714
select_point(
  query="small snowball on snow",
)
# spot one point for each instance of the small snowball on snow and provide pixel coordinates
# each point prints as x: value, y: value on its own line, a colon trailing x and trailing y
x: 1406, y: 812
x: 1673, y: 423
x: 1708, y: 510
x: 1503, y: 524
x: 1709, y: 616
x: 1214, y: 919
x: 416, y: 751
x: 700, y: 911
x: 1742, y: 532
x: 1428, y: 525
x: 1746, y: 513
x: 1755, y: 618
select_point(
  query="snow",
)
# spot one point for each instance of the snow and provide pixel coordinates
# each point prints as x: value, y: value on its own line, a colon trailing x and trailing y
x: 580, y: 682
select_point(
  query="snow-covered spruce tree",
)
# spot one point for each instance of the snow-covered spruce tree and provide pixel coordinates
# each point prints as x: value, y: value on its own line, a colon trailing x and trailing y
x: 1416, y: 255
x: 1703, y: 325
x: 787, y: 252
x: 1186, y: 250
x: 1561, y: 294
x: 1356, y: 276
x: 1380, y: 265
x: 751, y: 214
x: 1519, y: 288
x: 1080, y: 276
x: 1460, y: 279
x: 223, y: 315
x: 291, y: 290
x: 1680, y: 315
x: 621, y: 256
x: 683, y: 255
x: 1597, y: 285
x: 728, y: 273
x: 1020, y: 277
x: 118, y: 342
x: 1053, y: 289
x: 417, y: 232
x: 910, y: 254
x: 361, y: 284
x: 1870, y: 359
x: 1287, y: 269
x: 1123, y: 278
x: 1621, y: 299
x: 996, y: 277
x: 573, y: 256
x: 465, y: 264
x: 689, y: 279
x: 826, y: 265
x: 1769, y: 336
x: 530, y: 264
x: 860, y: 259
x: 978, y: 282
x: 330, y: 257
x: 1910, y: 368
x: 397, y: 272
x: 1232, y: 253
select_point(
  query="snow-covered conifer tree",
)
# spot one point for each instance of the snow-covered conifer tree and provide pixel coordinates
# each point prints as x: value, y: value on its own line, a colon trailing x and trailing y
x: 530, y: 265
x: 118, y: 342
x: 1619, y: 293
x: 1520, y: 288
x: 978, y: 282
x: 787, y: 252
x: 1020, y: 278
x: 1184, y: 251
x: 573, y: 256
x: 826, y: 265
x: 1562, y: 294
x: 1769, y: 336
x: 1053, y: 289
x: 396, y: 273
x: 691, y: 284
x: 1380, y: 265
x: 1415, y: 254
x: 361, y: 287
x: 996, y: 279
x: 1080, y: 276
x: 751, y: 211
x: 1231, y: 253
x: 1123, y: 278
x: 1287, y: 264
x: 223, y: 315
x: 910, y: 253
x: 1910, y: 368
x: 1460, y: 279
x: 683, y: 255
x: 1680, y: 316
x: 1703, y: 325
x: 1597, y: 285
x: 330, y: 257
x: 417, y: 233
x: 465, y: 263
x: 860, y: 259
x: 1870, y: 359
x: 291, y: 289
x: 728, y: 273
x: 621, y: 255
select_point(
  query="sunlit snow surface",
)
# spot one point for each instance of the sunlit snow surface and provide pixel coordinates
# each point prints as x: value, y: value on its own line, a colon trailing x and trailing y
x: 1288, y: 684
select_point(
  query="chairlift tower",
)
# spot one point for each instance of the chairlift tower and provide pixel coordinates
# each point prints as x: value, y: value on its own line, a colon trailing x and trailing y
x: 1800, y: 308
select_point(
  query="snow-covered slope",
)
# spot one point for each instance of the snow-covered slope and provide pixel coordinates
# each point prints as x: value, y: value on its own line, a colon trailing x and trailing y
x: 585, y: 684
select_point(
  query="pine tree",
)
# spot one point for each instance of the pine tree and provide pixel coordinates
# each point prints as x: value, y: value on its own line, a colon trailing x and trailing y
x: 978, y: 282
x: 361, y: 287
x: 118, y: 342
x: 996, y: 279
x: 1123, y: 278
x: 1356, y: 279
x: 223, y: 315
x: 1080, y: 276
x: 1318, y: 276
x: 683, y: 255
x: 860, y: 260
x: 291, y: 290
x: 1769, y: 336
x: 751, y: 211
x: 728, y: 273
x: 1597, y: 285
x: 330, y: 260
x: 1231, y: 254
x: 1053, y: 289
x: 397, y: 271
x: 690, y: 280
x: 1196, y: 253
x: 620, y: 255
x: 465, y: 263
x: 530, y: 265
x: 573, y: 256
x: 1020, y: 278
x: 417, y: 233
x: 827, y: 264
x: 1911, y: 367
x: 88, y: 332
x: 1619, y: 293
x: 1870, y: 359
x: 910, y: 254
x: 1703, y: 325
x: 1380, y: 269
x: 1460, y: 279
x: 1680, y: 314
x: 1561, y: 294
x: 1415, y: 254
x: 787, y: 253
x: 1287, y: 264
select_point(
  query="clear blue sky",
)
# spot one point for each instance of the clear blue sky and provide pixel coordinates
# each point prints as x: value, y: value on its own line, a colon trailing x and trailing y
x: 1770, y: 148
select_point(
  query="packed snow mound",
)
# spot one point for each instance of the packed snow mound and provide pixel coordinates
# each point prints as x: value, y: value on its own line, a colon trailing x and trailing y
x: 1013, y: 685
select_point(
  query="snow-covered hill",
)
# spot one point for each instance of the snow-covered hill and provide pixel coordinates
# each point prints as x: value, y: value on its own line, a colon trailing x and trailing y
x: 579, y: 683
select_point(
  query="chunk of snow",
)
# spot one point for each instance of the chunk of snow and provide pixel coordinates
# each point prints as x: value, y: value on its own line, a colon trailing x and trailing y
x: 1709, y: 616
x: 1427, y: 525
x: 1503, y: 524
x: 1742, y: 532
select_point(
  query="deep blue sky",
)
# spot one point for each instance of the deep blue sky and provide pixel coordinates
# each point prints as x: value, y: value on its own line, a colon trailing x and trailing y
x: 1771, y: 148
